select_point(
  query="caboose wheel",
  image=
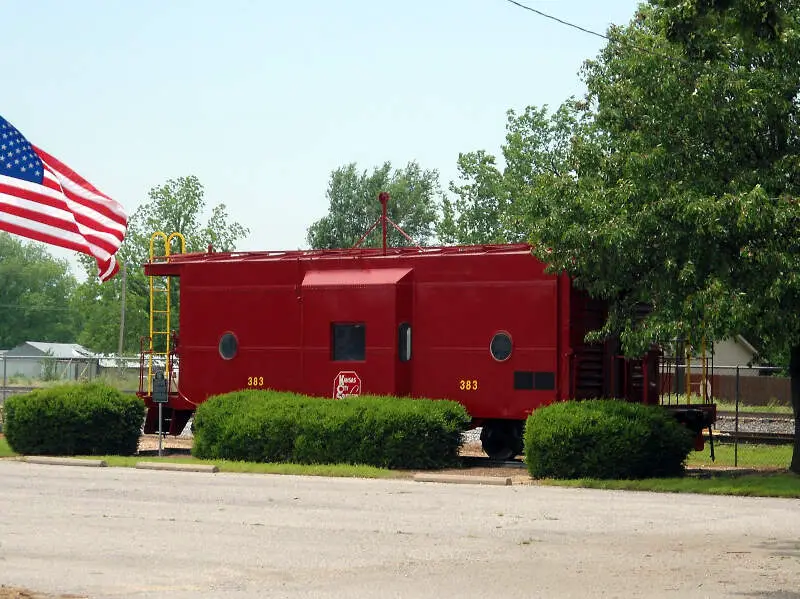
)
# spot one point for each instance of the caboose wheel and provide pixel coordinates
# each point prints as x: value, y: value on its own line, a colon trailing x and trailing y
x: 502, y: 439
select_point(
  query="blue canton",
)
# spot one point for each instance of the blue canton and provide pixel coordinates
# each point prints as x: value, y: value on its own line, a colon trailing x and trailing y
x: 17, y: 158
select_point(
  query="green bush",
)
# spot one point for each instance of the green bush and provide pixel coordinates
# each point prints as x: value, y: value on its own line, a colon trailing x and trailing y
x: 271, y: 426
x: 605, y: 439
x: 74, y: 419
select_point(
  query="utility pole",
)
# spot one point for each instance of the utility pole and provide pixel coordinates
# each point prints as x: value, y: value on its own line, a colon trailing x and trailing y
x: 122, y: 315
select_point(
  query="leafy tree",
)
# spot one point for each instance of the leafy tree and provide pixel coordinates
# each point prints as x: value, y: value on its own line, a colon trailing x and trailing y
x: 100, y: 303
x: 175, y: 206
x: 354, y: 206
x: 34, y: 295
x: 178, y: 206
x: 683, y: 178
x: 493, y: 206
x: 478, y: 212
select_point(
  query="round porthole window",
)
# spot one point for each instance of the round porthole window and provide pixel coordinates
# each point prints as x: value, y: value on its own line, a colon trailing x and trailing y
x: 501, y: 346
x: 228, y: 345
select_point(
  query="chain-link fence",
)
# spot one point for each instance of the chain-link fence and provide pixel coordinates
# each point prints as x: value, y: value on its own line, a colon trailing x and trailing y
x: 24, y: 373
x: 755, y: 424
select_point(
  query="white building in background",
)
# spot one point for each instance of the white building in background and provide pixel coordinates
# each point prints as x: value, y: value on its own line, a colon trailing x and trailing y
x: 56, y: 361
x: 736, y: 351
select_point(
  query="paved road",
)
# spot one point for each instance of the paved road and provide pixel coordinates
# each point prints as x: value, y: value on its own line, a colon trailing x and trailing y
x: 111, y: 532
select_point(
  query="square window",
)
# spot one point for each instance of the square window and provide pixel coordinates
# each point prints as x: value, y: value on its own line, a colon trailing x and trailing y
x: 348, y: 342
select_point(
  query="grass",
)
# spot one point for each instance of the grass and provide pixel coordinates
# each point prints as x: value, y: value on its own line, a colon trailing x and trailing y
x: 724, y: 483
x: 730, y: 406
x: 778, y: 456
x: 745, y: 409
x: 761, y: 484
x: 124, y: 381
x: 766, y: 484
x: 5, y: 450
x: 336, y: 470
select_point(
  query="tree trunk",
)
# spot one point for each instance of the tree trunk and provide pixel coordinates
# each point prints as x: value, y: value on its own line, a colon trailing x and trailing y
x: 794, y: 373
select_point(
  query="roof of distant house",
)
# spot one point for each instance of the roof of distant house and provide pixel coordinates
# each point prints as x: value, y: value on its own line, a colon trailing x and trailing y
x: 61, y: 350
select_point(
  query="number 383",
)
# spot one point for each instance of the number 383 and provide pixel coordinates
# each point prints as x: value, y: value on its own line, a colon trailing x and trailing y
x: 468, y: 384
x: 255, y: 381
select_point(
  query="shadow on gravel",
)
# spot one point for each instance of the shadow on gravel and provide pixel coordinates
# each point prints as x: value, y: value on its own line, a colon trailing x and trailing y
x: 20, y: 593
x: 771, y: 594
x: 783, y: 549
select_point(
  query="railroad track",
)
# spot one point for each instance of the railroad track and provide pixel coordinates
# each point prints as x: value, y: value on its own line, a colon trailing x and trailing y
x: 754, y: 438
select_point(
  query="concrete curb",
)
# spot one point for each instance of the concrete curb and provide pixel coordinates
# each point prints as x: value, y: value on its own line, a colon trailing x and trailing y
x: 502, y: 481
x: 58, y: 461
x: 177, y: 467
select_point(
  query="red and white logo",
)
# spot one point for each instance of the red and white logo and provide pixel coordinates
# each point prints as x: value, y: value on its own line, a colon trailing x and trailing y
x: 346, y: 384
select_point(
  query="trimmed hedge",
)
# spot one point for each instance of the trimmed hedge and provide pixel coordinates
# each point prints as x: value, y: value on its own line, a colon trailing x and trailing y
x: 272, y: 426
x: 605, y: 439
x: 74, y: 419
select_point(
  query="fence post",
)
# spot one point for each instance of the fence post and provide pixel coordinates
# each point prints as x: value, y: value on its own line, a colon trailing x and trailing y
x: 5, y: 380
x: 736, y: 424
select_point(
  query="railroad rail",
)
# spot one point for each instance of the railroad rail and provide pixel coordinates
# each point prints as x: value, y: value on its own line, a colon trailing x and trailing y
x: 754, y: 438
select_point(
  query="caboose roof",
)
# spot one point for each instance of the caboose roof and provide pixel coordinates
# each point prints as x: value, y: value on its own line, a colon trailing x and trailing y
x: 160, y: 265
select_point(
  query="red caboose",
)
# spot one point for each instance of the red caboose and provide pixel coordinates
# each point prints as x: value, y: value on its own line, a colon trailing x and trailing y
x: 482, y: 325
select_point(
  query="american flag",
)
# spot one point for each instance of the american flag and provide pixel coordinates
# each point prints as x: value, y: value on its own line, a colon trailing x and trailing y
x: 43, y: 199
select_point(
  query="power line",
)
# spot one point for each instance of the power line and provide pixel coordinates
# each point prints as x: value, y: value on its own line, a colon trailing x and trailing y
x: 557, y: 20
x: 621, y: 41
x: 28, y: 307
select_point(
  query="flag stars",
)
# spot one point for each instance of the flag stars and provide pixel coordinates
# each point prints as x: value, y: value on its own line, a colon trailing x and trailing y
x: 18, y: 155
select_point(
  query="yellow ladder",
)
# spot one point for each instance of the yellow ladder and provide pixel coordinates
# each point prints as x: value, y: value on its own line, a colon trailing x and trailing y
x: 161, y: 308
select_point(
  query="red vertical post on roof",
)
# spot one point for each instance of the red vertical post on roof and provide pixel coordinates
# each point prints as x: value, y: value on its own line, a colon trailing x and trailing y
x: 384, y: 199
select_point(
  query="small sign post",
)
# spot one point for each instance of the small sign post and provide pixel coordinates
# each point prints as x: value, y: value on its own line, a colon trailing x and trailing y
x: 160, y: 397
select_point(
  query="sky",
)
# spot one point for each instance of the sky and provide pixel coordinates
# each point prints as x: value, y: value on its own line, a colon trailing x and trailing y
x: 261, y: 100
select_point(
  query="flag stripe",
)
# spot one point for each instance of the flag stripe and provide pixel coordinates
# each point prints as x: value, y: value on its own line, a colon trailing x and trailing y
x: 42, y: 232
x: 82, y: 190
x: 59, y: 215
x: 91, y: 244
x: 53, y: 198
x: 74, y: 194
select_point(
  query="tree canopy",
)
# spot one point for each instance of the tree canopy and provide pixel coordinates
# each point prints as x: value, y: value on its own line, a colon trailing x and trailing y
x: 353, y: 206
x: 34, y: 295
x: 682, y: 181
